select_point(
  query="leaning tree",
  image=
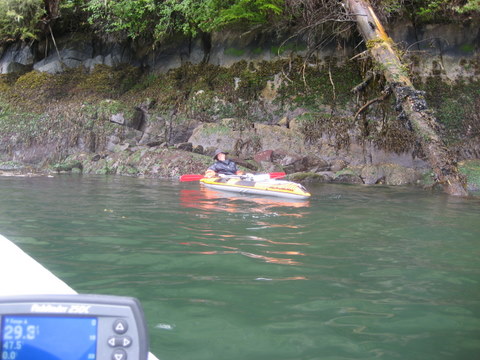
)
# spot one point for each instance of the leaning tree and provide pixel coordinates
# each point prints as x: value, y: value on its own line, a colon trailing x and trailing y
x: 336, y: 17
x: 411, y: 101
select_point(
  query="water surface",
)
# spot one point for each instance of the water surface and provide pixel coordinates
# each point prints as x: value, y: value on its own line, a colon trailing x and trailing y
x: 354, y: 273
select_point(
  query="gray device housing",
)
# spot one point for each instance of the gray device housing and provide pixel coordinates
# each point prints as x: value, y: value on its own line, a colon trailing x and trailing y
x: 109, y: 310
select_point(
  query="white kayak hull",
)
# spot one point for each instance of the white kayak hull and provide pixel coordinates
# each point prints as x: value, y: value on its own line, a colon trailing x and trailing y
x: 270, y: 188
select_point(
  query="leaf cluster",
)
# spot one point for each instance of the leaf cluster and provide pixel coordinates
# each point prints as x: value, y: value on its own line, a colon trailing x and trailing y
x: 425, y: 11
x: 158, y: 19
x: 152, y: 20
x: 19, y: 19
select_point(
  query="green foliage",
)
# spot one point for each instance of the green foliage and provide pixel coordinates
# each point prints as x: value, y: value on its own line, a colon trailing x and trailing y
x: 152, y: 19
x: 19, y: 19
x: 155, y: 20
x: 391, y: 6
x: 158, y: 19
x: 73, y: 17
x: 470, y: 6
x: 430, y: 10
x: 434, y: 10
x: 249, y: 11
x: 188, y: 17
x: 125, y: 17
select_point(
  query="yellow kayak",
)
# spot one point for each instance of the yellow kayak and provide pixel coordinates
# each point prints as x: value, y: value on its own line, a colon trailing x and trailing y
x: 246, y: 185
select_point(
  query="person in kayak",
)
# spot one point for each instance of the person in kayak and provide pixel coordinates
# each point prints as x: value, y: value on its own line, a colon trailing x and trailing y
x: 222, y: 166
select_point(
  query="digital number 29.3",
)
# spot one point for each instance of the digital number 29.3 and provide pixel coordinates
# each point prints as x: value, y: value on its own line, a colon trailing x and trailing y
x: 19, y: 332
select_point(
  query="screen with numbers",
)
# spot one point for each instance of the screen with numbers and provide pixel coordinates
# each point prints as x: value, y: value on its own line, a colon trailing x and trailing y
x: 25, y: 337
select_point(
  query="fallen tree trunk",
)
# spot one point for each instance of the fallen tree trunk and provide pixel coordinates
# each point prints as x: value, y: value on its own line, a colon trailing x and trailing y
x: 411, y: 101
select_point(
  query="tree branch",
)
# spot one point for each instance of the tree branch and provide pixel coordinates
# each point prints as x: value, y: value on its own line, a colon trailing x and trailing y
x: 385, y: 93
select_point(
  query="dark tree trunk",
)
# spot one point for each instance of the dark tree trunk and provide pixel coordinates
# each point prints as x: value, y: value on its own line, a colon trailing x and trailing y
x: 52, y: 9
x: 411, y: 101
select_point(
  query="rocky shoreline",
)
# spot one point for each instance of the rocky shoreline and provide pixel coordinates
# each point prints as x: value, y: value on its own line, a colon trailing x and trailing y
x: 167, y: 163
x: 272, y: 112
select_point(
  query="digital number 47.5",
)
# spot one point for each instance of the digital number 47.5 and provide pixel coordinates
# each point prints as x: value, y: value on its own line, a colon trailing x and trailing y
x: 12, y: 345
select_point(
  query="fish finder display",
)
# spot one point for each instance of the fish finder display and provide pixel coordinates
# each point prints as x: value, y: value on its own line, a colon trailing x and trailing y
x: 25, y: 337
x: 72, y: 327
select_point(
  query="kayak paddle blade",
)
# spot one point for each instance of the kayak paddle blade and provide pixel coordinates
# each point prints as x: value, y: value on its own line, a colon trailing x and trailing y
x: 191, y: 177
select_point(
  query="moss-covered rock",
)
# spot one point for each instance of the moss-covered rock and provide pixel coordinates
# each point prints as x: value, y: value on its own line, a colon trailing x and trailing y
x: 109, y: 81
x: 67, y: 166
x: 399, y: 175
x: 11, y: 166
x: 147, y: 162
x: 471, y: 169
x: 457, y: 106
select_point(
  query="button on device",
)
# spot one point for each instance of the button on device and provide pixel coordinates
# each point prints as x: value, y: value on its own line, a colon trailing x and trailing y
x: 120, y: 326
x: 126, y: 341
x: 112, y: 341
x: 119, y: 354
x: 119, y: 341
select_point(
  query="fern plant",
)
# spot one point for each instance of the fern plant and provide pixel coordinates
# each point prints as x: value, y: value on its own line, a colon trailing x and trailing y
x: 157, y: 19
x: 250, y: 11
x: 19, y: 19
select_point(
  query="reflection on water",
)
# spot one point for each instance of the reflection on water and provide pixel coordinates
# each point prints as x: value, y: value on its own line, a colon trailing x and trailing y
x: 352, y: 273
x: 208, y: 199
x: 211, y: 201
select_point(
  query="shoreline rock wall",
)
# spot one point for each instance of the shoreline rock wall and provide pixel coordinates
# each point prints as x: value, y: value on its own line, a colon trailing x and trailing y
x: 142, y: 141
x: 444, y: 48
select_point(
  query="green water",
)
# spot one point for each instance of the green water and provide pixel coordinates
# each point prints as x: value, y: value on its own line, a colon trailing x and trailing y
x: 354, y: 273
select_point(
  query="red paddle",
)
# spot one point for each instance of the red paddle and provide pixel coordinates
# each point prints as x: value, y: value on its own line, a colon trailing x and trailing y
x: 196, y: 177
x: 191, y: 177
x: 277, y: 175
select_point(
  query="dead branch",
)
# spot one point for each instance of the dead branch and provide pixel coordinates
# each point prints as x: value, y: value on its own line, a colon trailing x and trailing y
x: 385, y: 93
x: 54, y: 43
x: 331, y: 82
x: 364, y: 83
